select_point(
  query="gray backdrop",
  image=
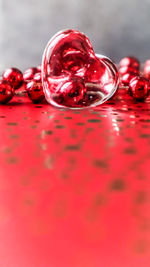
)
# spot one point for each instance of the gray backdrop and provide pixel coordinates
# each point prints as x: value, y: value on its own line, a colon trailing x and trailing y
x: 116, y: 28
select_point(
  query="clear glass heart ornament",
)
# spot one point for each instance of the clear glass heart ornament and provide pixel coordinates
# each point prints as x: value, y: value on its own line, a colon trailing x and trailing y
x: 73, y: 76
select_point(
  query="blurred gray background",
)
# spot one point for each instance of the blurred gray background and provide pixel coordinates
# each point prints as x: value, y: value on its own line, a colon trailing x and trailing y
x: 116, y: 28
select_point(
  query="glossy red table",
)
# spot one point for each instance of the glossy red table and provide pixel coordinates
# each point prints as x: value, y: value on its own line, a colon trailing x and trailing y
x: 75, y: 185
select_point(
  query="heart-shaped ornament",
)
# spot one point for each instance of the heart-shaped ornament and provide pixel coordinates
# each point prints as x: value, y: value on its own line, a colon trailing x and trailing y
x: 73, y: 75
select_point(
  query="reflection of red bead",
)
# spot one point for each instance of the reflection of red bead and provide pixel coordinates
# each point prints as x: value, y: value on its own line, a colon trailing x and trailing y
x: 139, y: 88
x: 128, y: 69
x: 29, y: 74
x: 127, y: 77
x: 147, y: 71
x: 14, y: 77
x: 71, y: 93
x: 130, y: 61
x: 95, y: 71
x: 35, y: 91
x: 6, y: 92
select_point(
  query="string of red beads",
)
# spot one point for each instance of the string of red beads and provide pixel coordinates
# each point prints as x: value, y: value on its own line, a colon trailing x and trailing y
x: 30, y: 82
x: 131, y: 76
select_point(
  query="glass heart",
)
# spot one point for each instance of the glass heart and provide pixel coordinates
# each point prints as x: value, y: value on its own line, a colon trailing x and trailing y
x: 73, y: 75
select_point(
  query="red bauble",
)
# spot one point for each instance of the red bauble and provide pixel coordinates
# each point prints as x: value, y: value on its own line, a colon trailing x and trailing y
x: 29, y: 74
x: 130, y: 62
x: 127, y: 77
x: 139, y: 88
x: 14, y: 77
x: 127, y: 69
x: 147, y: 71
x: 35, y: 91
x: 6, y: 92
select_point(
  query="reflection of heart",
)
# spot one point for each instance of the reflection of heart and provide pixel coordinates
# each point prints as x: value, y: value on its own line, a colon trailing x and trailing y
x: 73, y: 76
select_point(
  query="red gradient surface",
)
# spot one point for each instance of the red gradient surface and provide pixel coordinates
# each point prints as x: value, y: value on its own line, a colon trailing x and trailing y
x: 75, y: 185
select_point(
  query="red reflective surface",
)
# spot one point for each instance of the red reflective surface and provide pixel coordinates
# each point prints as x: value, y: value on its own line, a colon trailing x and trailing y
x: 74, y: 185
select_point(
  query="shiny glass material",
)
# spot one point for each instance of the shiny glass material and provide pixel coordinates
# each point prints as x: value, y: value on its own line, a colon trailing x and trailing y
x: 73, y: 75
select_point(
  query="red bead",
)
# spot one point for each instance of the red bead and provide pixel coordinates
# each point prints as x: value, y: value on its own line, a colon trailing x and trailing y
x: 29, y: 74
x: 127, y: 77
x: 6, y: 92
x: 73, y: 76
x: 127, y: 69
x: 147, y: 62
x: 95, y: 71
x: 130, y: 62
x: 14, y: 77
x: 147, y: 71
x: 139, y: 88
x: 37, y: 77
x: 35, y: 91
x: 39, y: 68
